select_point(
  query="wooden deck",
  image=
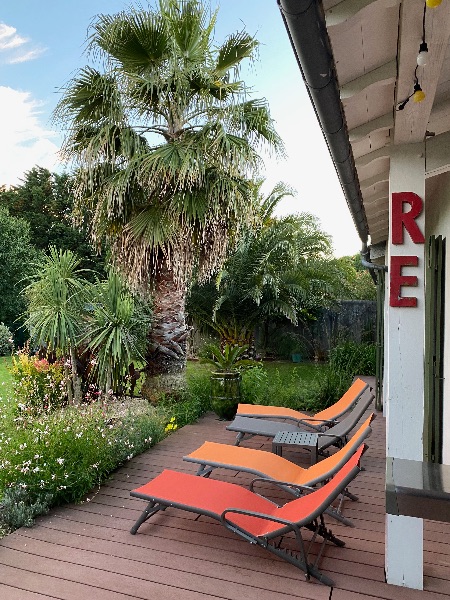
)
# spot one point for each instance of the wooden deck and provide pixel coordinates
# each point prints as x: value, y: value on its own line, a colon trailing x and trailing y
x: 86, y: 551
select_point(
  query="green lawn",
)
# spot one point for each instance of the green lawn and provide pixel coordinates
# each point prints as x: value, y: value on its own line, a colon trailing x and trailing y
x: 307, y: 371
x: 5, y: 375
x: 282, y: 383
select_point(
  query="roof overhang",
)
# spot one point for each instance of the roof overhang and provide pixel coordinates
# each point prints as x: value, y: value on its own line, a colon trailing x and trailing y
x: 358, y: 59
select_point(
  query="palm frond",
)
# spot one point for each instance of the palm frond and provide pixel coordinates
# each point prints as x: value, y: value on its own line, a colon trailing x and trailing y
x: 236, y: 48
x: 91, y: 98
x: 138, y: 40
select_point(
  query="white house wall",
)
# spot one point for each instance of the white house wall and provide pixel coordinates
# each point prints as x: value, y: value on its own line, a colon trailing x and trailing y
x: 437, y: 193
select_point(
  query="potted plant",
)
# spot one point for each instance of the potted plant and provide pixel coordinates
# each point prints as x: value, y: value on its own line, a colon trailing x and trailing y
x: 226, y: 377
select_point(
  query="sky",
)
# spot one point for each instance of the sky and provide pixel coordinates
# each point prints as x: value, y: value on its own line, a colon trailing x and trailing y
x: 42, y: 45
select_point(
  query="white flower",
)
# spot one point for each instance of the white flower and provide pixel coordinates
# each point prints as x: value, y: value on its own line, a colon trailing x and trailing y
x: 60, y: 461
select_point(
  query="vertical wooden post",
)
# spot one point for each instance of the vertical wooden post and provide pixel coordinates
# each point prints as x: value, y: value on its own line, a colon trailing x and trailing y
x: 405, y: 353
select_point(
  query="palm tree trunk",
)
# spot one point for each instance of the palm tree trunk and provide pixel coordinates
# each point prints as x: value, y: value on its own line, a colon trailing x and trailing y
x: 166, y: 352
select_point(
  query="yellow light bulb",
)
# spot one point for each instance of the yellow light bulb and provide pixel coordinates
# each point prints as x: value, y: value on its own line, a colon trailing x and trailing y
x: 418, y: 96
x: 433, y: 3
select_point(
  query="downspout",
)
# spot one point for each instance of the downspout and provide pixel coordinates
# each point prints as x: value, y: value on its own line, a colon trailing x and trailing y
x: 365, y: 261
x: 305, y: 23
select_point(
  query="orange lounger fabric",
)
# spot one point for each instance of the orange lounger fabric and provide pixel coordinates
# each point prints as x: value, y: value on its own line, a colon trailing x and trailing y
x: 323, y: 417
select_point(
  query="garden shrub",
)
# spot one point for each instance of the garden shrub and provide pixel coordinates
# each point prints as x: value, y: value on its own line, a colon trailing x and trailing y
x: 190, y: 404
x: 19, y: 509
x: 38, y: 385
x: 61, y: 456
x: 6, y: 340
x: 255, y: 385
x: 278, y: 389
x: 347, y: 360
x: 353, y: 358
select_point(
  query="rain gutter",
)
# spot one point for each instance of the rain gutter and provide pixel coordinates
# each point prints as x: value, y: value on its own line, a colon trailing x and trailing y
x: 305, y: 23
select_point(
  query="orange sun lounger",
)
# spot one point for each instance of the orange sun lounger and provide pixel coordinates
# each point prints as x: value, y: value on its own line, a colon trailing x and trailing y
x: 337, y: 435
x: 250, y: 516
x: 322, y: 419
x: 288, y: 475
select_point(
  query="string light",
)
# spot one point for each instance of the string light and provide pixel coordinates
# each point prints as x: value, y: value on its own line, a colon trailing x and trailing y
x: 419, y: 94
x: 422, y: 57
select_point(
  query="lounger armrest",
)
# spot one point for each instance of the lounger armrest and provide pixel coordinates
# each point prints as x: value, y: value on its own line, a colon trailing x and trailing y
x: 321, y: 425
x: 320, y: 420
x: 251, y: 513
x: 280, y: 483
x: 331, y: 435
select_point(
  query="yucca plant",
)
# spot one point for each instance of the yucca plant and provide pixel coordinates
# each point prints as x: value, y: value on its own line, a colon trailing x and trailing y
x: 56, y: 298
x: 116, y: 324
x: 226, y: 359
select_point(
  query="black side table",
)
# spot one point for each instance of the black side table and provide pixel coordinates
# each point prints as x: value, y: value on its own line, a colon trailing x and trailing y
x: 301, y: 439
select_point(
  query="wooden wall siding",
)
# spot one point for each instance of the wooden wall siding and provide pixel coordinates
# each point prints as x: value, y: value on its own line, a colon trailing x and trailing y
x: 86, y: 551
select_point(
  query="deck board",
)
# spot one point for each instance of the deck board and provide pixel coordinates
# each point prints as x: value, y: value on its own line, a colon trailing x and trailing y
x: 86, y: 550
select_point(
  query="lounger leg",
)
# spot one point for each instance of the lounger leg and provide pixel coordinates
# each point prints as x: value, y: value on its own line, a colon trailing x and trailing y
x: 332, y: 512
x: 301, y: 561
x: 351, y: 496
x: 239, y: 438
x: 151, y: 509
x: 204, y: 471
x: 336, y: 513
x: 242, y: 436
x: 327, y: 534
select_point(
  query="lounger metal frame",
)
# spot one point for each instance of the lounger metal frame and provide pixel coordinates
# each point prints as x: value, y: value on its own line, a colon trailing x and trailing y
x: 313, y: 521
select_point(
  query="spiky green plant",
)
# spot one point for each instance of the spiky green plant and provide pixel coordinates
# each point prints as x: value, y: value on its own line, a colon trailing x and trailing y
x: 226, y: 359
x: 56, y: 298
x: 115, y: 327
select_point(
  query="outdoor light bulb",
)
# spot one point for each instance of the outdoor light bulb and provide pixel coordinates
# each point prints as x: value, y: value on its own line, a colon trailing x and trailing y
x: 418, y: 95
x: 422, y: 57
x: 433, y: 3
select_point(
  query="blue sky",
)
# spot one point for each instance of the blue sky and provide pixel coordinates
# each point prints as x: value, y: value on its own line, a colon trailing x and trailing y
x: 42, y: 45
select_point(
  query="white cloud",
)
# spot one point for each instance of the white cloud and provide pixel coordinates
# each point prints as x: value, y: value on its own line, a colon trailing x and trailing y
x: 9, y: 38
x: 10, y: 42
x: 25, y: 142
x: 30, y: 55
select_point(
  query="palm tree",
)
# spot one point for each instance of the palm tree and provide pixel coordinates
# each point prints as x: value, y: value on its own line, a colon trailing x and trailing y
x: 279, y: 268
x: 166, y: 140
